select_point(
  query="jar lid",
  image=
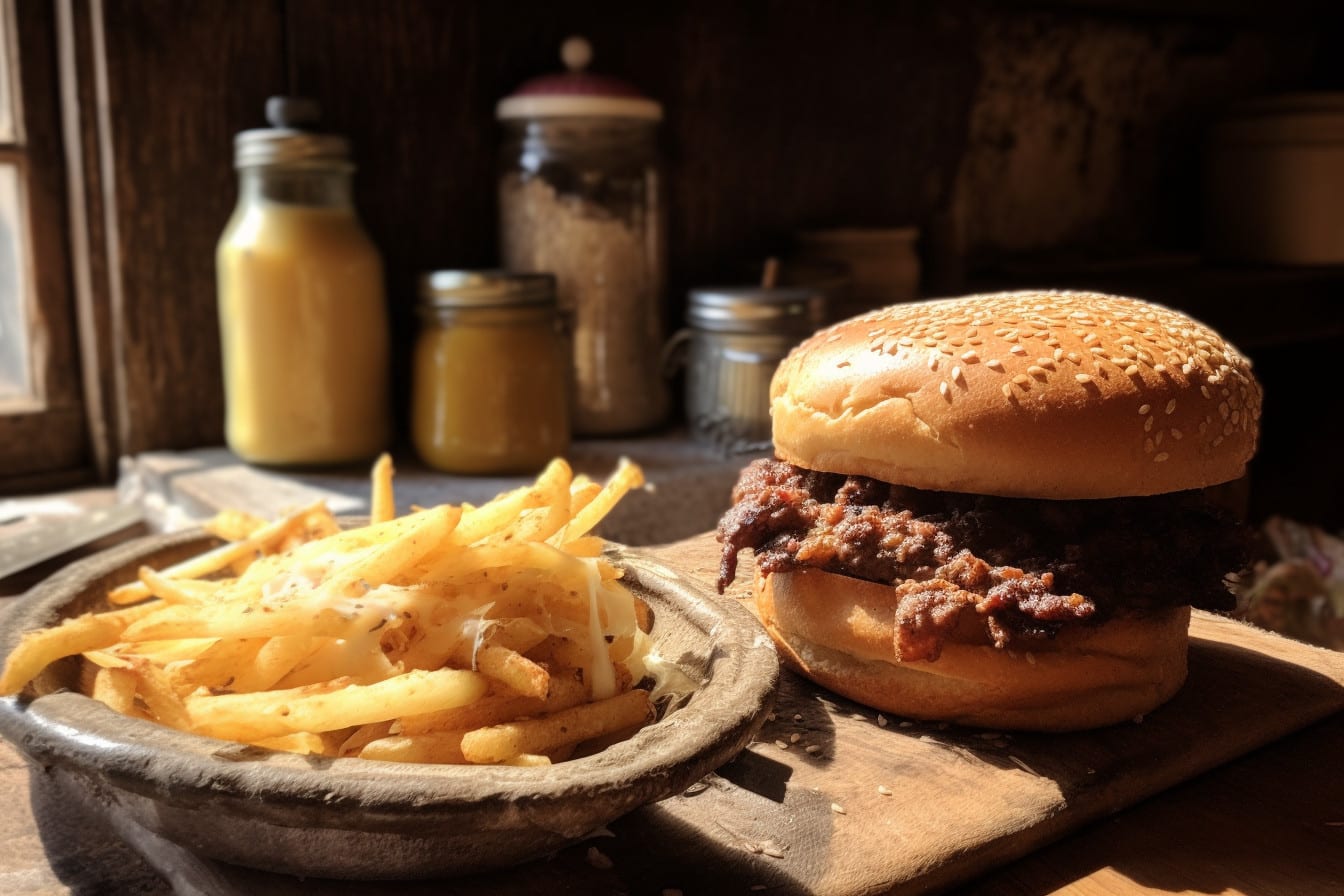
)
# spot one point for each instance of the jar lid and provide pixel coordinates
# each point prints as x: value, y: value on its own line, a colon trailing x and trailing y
x: 577, y: 93
x: 757, y: 309
x: 485, y: 289
x: 290, y: 139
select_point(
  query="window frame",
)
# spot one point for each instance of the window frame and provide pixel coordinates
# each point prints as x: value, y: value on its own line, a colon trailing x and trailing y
x: 44, y: 442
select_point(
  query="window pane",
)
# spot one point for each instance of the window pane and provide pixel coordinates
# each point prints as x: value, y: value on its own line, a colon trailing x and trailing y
x: 15, y: 376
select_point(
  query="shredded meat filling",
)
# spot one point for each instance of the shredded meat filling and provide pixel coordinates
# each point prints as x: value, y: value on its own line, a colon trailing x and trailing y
x: 1030, y: 566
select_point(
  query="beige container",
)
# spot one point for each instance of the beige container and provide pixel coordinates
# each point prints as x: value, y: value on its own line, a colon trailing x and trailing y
x: 1274, y: 182
x: 883, y: 264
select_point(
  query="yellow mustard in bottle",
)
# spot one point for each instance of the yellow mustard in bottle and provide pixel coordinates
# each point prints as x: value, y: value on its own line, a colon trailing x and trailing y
x: 302, y: 310
x: 490, y: 381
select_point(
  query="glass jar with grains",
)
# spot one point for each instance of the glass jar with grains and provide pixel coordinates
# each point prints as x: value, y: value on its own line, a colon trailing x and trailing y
x: 581, y: 197
x: 302, y: 317
x: 490, y: 379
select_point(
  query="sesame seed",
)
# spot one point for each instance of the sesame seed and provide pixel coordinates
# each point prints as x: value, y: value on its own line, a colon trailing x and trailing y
x: 1160, y: 456
x: 1021, y: 379
x: 1036, y: 371
x: 1171, y: 406
x: 771, y: 849
x: 881, y: 720
x: 1132, y: 370
x: 1144, y: 409
x: 884, y: 790
x: 797, y: 717
x: 837, y: 809
x: 1204, y: 390
x: 1047, y: 363
x: 995, y: 364
x: 795, y: 737
x: 781, y: 744
x: 1022, y: 765
x: 1018, y: 350
x: 1007, y: 390
x: 1082, y: 378
x: 812, y: 749
x: 1157, y: 440
x: 933, y: 362
x: 970, y: 357
x: 943, y: 388
x: 1059, y: 354
x: 1148, y: 425
x: 1148, y: 446
x: 957, y: 377
x: 1177, y: 434
x: 1031, y: 658
x: 1075, y: 357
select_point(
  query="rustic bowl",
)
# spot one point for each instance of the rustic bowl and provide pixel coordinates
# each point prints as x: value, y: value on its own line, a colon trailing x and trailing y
x: 359, y: 819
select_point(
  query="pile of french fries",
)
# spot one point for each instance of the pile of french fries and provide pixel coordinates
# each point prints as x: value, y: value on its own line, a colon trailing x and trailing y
x: 454, y: 634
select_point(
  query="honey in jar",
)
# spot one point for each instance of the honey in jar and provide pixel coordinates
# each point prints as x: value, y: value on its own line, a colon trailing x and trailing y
x: 490, y: 389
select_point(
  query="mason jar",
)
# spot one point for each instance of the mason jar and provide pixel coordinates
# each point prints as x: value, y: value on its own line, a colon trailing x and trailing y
x: 302, y: 311
x: 489, y: 373
x: 734, y: 340
x: 581, y: 197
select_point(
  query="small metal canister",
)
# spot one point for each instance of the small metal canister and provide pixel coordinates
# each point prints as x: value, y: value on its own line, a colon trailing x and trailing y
x: 735, y: 339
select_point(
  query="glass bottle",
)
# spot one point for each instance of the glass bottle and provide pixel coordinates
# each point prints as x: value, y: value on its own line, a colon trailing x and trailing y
x: 302, y: 314
x: 581, y: 197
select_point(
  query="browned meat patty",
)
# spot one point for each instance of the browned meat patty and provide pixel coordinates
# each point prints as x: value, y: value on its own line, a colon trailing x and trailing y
x: 1029, y: 565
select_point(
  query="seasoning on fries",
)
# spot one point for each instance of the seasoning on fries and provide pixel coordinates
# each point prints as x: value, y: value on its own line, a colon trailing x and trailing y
x: 452, y: 634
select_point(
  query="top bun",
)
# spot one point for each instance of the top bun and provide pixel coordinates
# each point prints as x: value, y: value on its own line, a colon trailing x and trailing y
x: 1022, y: 394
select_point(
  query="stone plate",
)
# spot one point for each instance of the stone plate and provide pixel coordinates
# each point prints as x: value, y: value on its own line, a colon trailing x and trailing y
x: 359, y: 819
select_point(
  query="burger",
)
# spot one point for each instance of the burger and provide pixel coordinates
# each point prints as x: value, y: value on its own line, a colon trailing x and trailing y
x: 997, y: 510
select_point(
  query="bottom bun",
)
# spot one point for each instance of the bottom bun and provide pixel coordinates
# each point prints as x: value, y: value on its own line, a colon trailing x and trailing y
x: 840, y: 632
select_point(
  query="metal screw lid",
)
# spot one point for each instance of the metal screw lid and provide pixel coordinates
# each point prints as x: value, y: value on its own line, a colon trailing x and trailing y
x: 485, y: 289
x: 756, y: 309
x: 290, y: 139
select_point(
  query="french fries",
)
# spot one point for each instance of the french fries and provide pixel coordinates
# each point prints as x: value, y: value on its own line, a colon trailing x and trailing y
x: 495, y: 634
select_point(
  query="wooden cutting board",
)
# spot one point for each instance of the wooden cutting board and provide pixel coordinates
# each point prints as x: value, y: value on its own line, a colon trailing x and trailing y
x: 837, y: 799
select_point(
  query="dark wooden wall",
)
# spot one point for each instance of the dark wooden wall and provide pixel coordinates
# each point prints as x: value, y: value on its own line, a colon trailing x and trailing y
x: 781, y: 114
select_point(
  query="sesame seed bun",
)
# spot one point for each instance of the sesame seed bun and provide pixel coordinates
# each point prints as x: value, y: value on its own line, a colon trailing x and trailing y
x: 1037, y: 395
x: 838, y: 631
x: 1023, y: 394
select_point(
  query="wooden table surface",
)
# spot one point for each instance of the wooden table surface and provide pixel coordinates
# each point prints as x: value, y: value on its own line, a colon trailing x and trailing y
x: 1270, y: 823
